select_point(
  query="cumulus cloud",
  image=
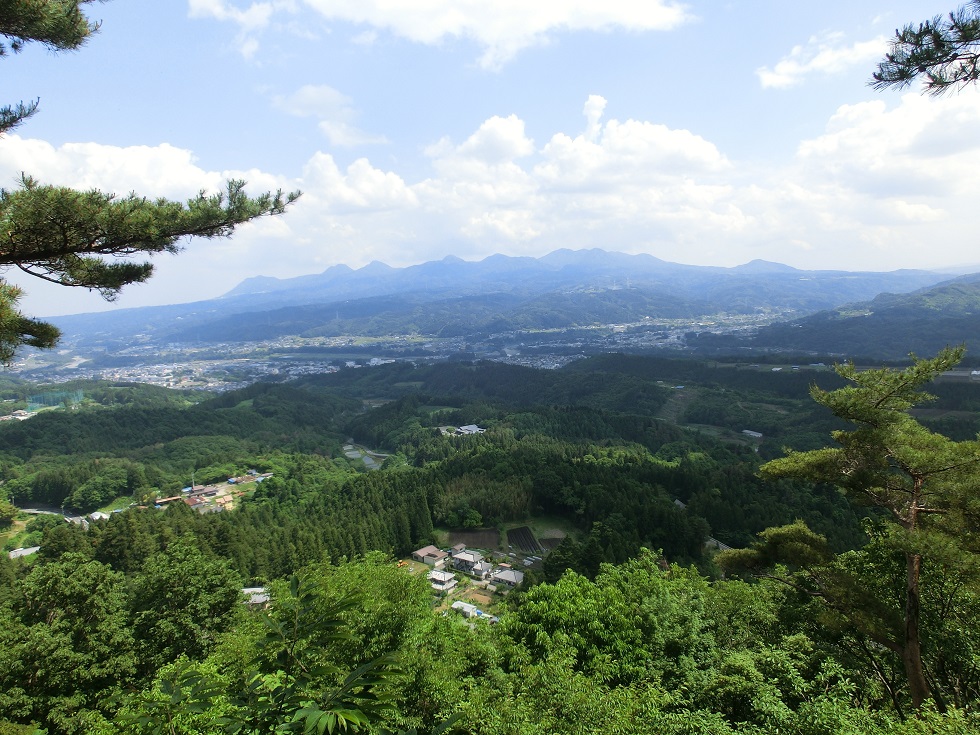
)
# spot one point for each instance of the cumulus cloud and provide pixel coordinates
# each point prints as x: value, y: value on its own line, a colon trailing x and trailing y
x: 869, y: 194
x: 335, y: 111
x: 502, y: 28
x: 360, y: 188
x: 162, y: 170
x: 920, y: 147
x: 633, y: 153
x: 824, y: 54
x: 498, y: 140
x: 502, y: 193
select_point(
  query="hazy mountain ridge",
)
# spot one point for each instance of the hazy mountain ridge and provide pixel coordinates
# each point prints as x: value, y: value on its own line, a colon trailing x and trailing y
x: 452, y: 297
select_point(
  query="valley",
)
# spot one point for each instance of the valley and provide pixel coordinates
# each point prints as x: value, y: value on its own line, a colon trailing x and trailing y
x: 222, y: 366
x: 580, y: 471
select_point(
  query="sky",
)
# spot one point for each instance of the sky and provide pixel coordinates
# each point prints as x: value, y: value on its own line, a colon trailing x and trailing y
x: 701, y: 132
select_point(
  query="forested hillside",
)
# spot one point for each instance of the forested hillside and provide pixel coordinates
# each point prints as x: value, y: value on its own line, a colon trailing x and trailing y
x: 640, y: 466
x: 887, y: 327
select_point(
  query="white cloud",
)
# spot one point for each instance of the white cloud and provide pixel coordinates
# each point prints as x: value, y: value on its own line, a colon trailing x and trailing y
x: 498, y: 139
x: 594, y: 108
x: 633, y: 153
x: 505, y: 27
x: 150, y: 170
x: 335, y: 112
x: 502, y: 28
x: 361, y: 188
x: 825, y: 54
x: 921, y: 147
x: 255, y: 17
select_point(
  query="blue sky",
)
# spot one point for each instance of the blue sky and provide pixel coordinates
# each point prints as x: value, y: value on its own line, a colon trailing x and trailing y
x: 700, y: 132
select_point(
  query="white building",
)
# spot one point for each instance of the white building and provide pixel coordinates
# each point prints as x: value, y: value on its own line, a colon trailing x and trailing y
x: 442, y: 581
x: 465, y: 608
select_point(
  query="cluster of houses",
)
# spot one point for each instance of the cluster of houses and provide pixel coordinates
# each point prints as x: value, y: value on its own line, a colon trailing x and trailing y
x: 213, y: 498
x: 445, y: 565
x: 468, y: 430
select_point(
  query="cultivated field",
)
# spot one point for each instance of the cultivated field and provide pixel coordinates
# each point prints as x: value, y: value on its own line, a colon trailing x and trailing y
x: 523, y: 539
x: 476, y: 538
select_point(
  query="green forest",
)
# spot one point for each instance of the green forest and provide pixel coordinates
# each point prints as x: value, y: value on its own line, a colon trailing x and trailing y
x: 700, y: 579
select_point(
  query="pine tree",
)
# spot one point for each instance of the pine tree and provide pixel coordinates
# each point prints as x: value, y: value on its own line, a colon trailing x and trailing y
x: 922, y: 482
x: 86, y: 238
x: 943, y: 51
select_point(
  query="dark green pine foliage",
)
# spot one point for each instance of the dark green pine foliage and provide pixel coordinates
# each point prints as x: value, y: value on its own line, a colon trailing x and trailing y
x: 944, y: 52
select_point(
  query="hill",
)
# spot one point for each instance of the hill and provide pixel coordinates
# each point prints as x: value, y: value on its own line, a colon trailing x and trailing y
x: 888, y: 326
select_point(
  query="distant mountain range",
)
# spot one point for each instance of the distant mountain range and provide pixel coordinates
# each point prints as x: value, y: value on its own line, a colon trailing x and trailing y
x: 453, y: 297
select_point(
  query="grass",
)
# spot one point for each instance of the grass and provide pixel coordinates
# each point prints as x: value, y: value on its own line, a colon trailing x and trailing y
x: 547, y: 526
x: 120, y: 503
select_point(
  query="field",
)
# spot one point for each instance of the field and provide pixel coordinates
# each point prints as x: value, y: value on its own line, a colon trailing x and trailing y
x: 477, y: 538
x: 523, y: 539
x: 479, y: 598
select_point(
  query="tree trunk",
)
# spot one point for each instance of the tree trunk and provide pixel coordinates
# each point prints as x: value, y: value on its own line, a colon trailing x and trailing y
x: 912, y: 650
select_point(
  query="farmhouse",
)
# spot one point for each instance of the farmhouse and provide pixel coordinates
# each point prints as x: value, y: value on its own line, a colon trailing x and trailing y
x: 466, y: 561
x: 510, y: 577
x: 432, y: 556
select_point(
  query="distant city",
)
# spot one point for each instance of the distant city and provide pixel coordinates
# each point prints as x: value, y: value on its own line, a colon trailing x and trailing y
x: 218, y: 367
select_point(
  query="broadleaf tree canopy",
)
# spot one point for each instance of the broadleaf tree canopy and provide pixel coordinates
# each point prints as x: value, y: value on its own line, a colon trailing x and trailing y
x: 89, y: 238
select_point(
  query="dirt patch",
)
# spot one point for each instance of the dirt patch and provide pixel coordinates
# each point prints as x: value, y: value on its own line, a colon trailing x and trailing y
x: 523, y: 539
x: 551, y: 543
x: 478, y: 598
x: 476, y: 538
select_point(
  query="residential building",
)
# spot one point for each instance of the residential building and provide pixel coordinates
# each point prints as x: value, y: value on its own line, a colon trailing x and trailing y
x: 442, y: 581
x: 465, y: 561
x: 510, y: 577
x: 435, y: 558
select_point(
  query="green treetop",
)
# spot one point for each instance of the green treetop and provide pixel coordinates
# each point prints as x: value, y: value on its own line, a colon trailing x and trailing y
x: 88, y: 239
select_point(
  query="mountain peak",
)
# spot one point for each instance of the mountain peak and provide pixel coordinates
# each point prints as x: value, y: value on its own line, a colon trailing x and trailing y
x: 375, y: 268
x: 764, y: 266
